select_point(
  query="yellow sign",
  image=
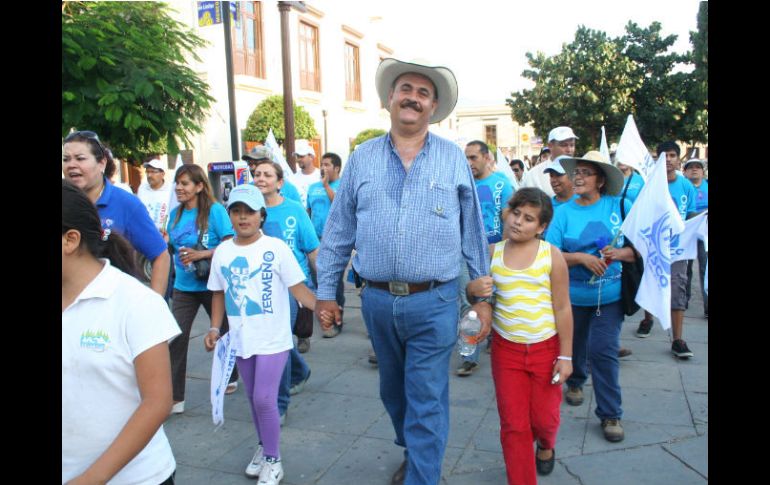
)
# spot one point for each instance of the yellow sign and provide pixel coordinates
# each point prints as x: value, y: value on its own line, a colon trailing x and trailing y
x: 524, y: 137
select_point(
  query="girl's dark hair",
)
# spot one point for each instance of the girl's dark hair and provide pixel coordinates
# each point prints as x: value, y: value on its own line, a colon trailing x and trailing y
x: 536, y: 198
x: 79, y: 213
x: 98, y: 149
x: 205, y: 196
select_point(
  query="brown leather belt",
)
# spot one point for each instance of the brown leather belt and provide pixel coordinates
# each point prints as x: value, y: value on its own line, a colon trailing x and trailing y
x: 400, y: 288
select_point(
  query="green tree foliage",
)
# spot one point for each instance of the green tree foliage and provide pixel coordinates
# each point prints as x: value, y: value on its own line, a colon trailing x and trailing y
x: 124, y: 75
x: 697, y: 92
x: 660, y: 101
x: 367, y: 134
x: 589, y: 84
x: 269, y: 114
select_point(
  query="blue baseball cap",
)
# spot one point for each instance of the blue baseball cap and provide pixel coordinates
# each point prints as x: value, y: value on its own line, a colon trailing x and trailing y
x: 247, y: 194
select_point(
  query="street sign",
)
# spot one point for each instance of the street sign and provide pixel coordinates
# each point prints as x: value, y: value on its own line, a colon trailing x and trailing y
x: 210, y: 13
x: 524, y: 137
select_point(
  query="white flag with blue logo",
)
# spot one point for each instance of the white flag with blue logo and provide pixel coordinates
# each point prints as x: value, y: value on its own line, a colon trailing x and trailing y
x: 272, y: 144
x: 650, y: 225
x: 222, y: 366
x: 505, y: 168
x: 685, y: 245
x: 632, y: 150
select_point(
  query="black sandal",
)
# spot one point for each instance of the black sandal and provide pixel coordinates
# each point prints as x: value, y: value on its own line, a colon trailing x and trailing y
x: 545, y: 467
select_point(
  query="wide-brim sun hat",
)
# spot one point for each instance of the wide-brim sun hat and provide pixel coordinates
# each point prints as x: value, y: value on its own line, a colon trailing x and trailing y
x: 612, y: 174
x: 442, y: 77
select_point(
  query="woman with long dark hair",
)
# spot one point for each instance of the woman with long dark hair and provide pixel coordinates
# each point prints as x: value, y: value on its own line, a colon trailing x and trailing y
x: 116, y: 379
x: 198, y: 217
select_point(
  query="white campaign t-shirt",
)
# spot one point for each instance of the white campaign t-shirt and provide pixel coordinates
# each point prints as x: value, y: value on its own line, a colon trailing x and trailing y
x: 156, y: 202
x: 111, y: 322
x: 256, y: 279
x: 302, y: 182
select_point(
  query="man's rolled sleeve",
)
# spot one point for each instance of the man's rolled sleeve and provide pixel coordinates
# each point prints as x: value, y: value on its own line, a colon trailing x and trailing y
x: 474, y: 239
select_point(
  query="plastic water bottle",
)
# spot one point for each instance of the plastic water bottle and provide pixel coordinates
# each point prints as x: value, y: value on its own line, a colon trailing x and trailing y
x: 470, y: 326
x: 189, y: 267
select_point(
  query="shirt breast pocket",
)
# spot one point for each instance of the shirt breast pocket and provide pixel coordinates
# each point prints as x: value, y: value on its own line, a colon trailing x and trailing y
x: 443, y: 201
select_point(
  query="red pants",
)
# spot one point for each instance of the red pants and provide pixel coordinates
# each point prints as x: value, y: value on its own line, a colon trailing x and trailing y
x: 527, y: 402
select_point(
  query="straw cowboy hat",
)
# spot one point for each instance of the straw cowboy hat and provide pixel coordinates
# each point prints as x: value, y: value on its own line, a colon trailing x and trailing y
x: 612, y: 174
x: 443, y: 79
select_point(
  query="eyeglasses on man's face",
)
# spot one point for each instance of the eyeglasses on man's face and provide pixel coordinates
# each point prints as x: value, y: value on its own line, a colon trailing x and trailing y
x: 583, y: 172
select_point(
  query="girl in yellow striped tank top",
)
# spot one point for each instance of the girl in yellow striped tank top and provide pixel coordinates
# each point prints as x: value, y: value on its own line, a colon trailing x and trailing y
x: 532, y: 341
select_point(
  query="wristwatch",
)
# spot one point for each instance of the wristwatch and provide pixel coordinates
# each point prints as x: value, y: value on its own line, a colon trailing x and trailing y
x: 488, y: 299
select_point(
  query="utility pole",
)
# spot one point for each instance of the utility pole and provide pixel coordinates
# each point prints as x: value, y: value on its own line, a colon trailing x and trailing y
x: 288, y: 98
x: 235, y: 149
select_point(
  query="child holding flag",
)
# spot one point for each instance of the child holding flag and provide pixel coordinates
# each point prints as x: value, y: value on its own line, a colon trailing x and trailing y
x: 250, y: 276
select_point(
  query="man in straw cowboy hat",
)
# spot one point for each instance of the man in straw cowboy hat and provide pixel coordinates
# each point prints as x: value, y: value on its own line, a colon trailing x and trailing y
x: 407, y: 203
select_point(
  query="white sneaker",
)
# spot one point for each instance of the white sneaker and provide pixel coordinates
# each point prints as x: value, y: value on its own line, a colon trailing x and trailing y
x: 177, y: 408
x: 255, y: 465
x: 272, y: 472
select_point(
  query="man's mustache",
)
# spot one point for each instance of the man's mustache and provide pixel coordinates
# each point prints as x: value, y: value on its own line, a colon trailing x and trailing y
x: 407, y: 103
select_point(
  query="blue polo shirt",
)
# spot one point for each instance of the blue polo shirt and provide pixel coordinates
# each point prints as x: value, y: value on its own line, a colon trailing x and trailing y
x: 684, y: 195
x: 124, y: 213
x: 702, y: 196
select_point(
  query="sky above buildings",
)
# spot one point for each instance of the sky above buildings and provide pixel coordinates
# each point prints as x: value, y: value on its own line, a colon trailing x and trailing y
x: 485, y: 41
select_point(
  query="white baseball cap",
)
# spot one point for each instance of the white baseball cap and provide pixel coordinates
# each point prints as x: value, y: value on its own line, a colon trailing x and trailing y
x: 155, y: 163
x: 302, y: 148
x: 561, y: 133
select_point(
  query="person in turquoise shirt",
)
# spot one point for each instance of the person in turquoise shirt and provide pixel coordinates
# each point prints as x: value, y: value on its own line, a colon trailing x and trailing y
x: 494, y: 190
x: 263, y: 153
x: 633, y: 180
x: 683, y: 194
x: 694, y: 171
x: 560, y: 183
x: 320, y: 196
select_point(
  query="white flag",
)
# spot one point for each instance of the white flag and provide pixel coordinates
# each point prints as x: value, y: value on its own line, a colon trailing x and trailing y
x: 222, y: 366
x: 272, y: 144
x: 603, y: 148
x: 173, y: 202
x: 685, y: 245
x: 505, y: 168
x: 650, y: 224
x: 632, y: 150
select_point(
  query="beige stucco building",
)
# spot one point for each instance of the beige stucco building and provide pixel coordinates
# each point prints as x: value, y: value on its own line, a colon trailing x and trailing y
x: 493, y: 124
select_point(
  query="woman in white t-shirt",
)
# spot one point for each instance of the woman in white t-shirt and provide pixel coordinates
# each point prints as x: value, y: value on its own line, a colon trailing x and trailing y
x: 251, y: 277
x: 116, y: 372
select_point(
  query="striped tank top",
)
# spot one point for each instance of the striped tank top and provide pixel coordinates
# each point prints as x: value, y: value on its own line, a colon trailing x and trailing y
x: 523, y: 310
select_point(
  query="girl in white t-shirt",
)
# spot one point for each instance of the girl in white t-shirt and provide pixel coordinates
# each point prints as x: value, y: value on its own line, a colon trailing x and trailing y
x: 116, y: 372
x: 251, y: 276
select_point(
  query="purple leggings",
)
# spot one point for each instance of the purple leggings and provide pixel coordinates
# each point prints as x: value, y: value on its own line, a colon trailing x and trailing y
x: 261, y: 375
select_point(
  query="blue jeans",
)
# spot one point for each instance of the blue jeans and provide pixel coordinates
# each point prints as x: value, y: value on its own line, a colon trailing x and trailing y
x: 413, y: 337
x: 596, y: 340
x: 296, y: 369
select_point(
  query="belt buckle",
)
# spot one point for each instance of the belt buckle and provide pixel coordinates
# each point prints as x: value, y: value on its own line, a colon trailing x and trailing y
x: 398, y: 288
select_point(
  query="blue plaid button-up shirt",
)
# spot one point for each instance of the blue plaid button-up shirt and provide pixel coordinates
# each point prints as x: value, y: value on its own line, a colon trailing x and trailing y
x: 410, y: 226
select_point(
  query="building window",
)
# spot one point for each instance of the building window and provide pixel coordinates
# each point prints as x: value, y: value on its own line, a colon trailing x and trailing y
x: 352, y: 73
x: 248, y: 47
x: 309, y: 64
x: 490, y: 135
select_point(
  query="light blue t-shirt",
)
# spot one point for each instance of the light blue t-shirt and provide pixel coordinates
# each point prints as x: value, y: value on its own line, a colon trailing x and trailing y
x: 289, y: 222
x: 185, y: 234
x: 683, y: 194
x: 494, y: 191
x: 556, y: 203
x: 634, y: 187
x: 319, y: 204
x: 587, y: 229
x: 289, y: 191
x: 702, y: 196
